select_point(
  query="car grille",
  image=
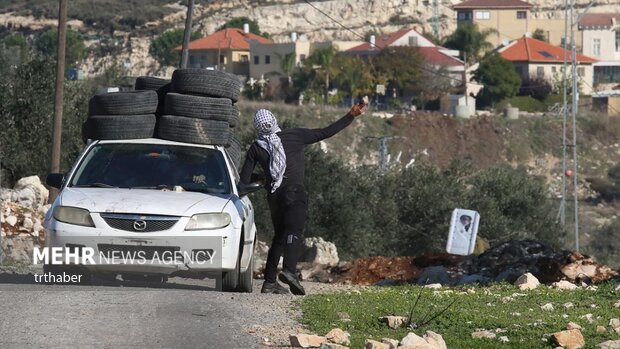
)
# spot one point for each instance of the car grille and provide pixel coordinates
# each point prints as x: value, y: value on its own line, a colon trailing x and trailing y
x: 139, y: 252
x: 135, y: 223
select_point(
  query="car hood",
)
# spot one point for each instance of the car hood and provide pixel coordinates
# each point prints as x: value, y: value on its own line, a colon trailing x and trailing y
x: 143, y: 201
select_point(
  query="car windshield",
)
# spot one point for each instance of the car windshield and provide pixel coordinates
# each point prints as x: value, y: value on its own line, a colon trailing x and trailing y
x: 153, y: 166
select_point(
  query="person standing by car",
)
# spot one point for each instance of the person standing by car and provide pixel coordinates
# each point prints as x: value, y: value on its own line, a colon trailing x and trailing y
x: 280, y: 153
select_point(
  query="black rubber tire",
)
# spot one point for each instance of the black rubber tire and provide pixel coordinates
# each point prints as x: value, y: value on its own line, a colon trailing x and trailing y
x: 150, y: 83
x: 230, y: 279
x: 207, y: 108
x: 204, y: 82
x: 246, y: 279
x: 192, y: 130
x: 233, y: 121
x: 235, y: 152
x: 124, y: 103
x: 120, y: 126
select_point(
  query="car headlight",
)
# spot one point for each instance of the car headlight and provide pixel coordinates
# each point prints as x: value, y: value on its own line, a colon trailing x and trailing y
x: 73, y: 215
x: 208, y: 221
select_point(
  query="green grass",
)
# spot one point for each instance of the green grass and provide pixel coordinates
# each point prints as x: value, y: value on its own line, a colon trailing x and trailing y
x: 499, y: 306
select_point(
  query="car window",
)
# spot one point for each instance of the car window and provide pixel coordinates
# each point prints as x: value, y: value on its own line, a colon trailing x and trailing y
x: 153, y: 166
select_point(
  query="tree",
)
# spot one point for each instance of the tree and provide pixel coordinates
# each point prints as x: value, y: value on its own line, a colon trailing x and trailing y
x: 162, y: 48
x: 398, y: 65
x: 536, y: 87
x: 75, y: 49
x: 238, y: 22
x: 353, y: 76
x: 539, y: 34
x: 434, y: 83
x: 499, y: 77
x: 470, y: 41
x: 322, y: 61
x: 287, y: 64
x: 16, y: 41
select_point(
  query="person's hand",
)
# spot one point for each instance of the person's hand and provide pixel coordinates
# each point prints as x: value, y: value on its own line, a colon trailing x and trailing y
x: 358, y: 109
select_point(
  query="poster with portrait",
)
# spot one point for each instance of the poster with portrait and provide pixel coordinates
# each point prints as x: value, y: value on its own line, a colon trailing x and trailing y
x: 463, y: 232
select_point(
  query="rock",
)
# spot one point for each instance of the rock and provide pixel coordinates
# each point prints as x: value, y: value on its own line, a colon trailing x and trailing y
x: 570, y: 339
x: 600, y: 329
x: 306, y: 341
x: 315, y: 272
x: 37, y: 226
x: 344, y: 317
x: 28, y: 192
x: 412, y: 340
x: 318, y: 251
x: 564, y: 285
x: 332, y: 346
x: 339, y: 336
x: 504, y: 339
x: 588, y: 317
x: 11, y: 220
x: 583, y: 268
x: 617, y: 304
x: 392, y: 343
x: 28, y: 224
x: 527, y: 281
x: 433, y: 286
x: 433, y: 275
x: 372, y: 344
x: 610, y: 344
x: 547, y: 307
x: 568, y: 305
x: 435, y: 340
x: 483, y: 334
x: 395, y: 321
x: 573, y: 326
x: 615, y: 324
x: 260, y: 257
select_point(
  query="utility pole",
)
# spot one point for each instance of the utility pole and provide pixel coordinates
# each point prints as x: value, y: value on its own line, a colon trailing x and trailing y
x: 383, y: 151
x: 59, y: 100
x: 564, y: 116
x: 187, y: 34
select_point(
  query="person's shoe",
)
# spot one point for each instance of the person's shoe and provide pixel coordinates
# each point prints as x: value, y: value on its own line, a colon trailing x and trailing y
x: 291, y: 280
x: 273, y: 287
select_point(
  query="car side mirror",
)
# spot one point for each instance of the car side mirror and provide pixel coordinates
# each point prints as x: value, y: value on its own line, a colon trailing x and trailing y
x: 55, y: 180
x: 245, y: 189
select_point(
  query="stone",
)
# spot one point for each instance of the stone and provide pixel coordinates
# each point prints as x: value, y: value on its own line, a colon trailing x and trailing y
x: 527, y: 281
x: 344, y: 317
x: 11, y: 220
x: 339, y: 336
x: 573, y: 326
x: 570, y: 339
x: 600, y: 329
x: 372, y: 344
x: 433, y: 286
x: 332, y: 346
x: 433, y: 275
x: 587, y: 317
x: 395, y: 321
x: 547, y: 307
x: 615, y: 344
x: 318, y: 251
x: 414, y: 341
x: 564, y: 285
x: 483, y: 334
x: 435, y: 340
x: 504, y: 339
x: 37, y: 227
x: 392, y: 343
x: 28, y: 224
x: 615, y: 324
x: 306, y: 340
x: 617, y: 304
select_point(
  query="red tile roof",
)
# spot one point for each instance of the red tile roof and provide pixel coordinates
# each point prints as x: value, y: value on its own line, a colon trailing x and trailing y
x: 599, y: 20
x: 531, y: 50
x: 434, y: 56
x: 484, y: 4
x: 231, y: 38
x: 381, y: 41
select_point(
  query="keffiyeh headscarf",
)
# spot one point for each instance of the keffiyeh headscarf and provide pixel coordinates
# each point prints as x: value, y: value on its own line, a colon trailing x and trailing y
x: 267, y: 125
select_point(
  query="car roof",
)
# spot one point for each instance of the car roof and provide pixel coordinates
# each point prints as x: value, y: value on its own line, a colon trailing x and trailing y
x: 157, y: 141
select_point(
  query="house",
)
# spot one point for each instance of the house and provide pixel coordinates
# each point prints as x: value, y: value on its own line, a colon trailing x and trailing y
x: 607, y: 102
x: 266, y: 58
x: 227, y: 49
x: 535, y: 58
x: 600, y: 35
x: 434, y: 55
x: 510, y: 19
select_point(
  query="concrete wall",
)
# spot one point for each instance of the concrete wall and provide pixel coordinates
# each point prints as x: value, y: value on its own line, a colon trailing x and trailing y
x: 551, y: 70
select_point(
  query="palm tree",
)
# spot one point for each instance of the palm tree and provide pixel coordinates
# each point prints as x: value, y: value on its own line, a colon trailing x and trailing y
x: 324, y: 58
x: 470, y: 41
x: 287, y: 64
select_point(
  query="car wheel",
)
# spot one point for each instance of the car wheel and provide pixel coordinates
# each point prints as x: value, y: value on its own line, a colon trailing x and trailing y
x: 230, y: 279
x: 246, y: 279
x: 150, y: 83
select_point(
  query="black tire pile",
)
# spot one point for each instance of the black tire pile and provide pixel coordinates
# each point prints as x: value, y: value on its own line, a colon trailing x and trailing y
x: 196, y: 106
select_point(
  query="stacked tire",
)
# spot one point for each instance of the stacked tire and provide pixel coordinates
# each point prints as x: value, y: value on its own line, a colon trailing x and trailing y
x: 121, y: 115
x: 200, y: 109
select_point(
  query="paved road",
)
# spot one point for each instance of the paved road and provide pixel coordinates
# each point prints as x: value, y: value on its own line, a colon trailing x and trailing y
x: 181, y: 315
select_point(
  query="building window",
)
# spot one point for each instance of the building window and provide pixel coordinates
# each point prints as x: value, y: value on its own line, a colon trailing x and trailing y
x: 540, y: 72
x: 617, y: 40
x: 222, y: 59
x: 553, y: 70
x: 596, y: 47
x: 244, y: 58
x: 256, y: 60
x: 581, y: 71
x: 521, y: 14
x: 413, y: 41
x: 267, y: 59
x: 192, y: 59
x: 464, y: 16
x: 302, y: 57
x: 483, y: 15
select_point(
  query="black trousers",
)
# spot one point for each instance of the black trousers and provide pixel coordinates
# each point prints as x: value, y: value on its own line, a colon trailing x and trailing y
x: 288, y: 206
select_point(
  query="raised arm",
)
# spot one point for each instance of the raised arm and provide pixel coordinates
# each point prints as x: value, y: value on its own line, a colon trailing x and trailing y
x: 310, y: 136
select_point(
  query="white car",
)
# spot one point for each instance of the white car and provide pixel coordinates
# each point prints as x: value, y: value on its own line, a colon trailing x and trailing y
x: 155, y: 198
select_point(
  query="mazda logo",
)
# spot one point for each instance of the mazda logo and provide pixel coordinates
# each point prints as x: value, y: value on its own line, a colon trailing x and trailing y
x: 139, y: 225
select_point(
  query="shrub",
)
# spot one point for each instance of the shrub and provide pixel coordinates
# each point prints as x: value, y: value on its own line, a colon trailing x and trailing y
x: 499, y: 77
x: 525, y: 103
x: 536, y: 87
x: 162, y: 48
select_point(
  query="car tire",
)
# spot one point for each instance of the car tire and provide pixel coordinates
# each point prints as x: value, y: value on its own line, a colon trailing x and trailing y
x: 234, y: 151
x: 150, y: 83
x: 192, y: 130
x: 204, y: 82
x: 233, y: 121
x: 120, y: 126
x: 246, y: 279
x: 124, y: 103
x: 207, y: 108
x: 230, y: 279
